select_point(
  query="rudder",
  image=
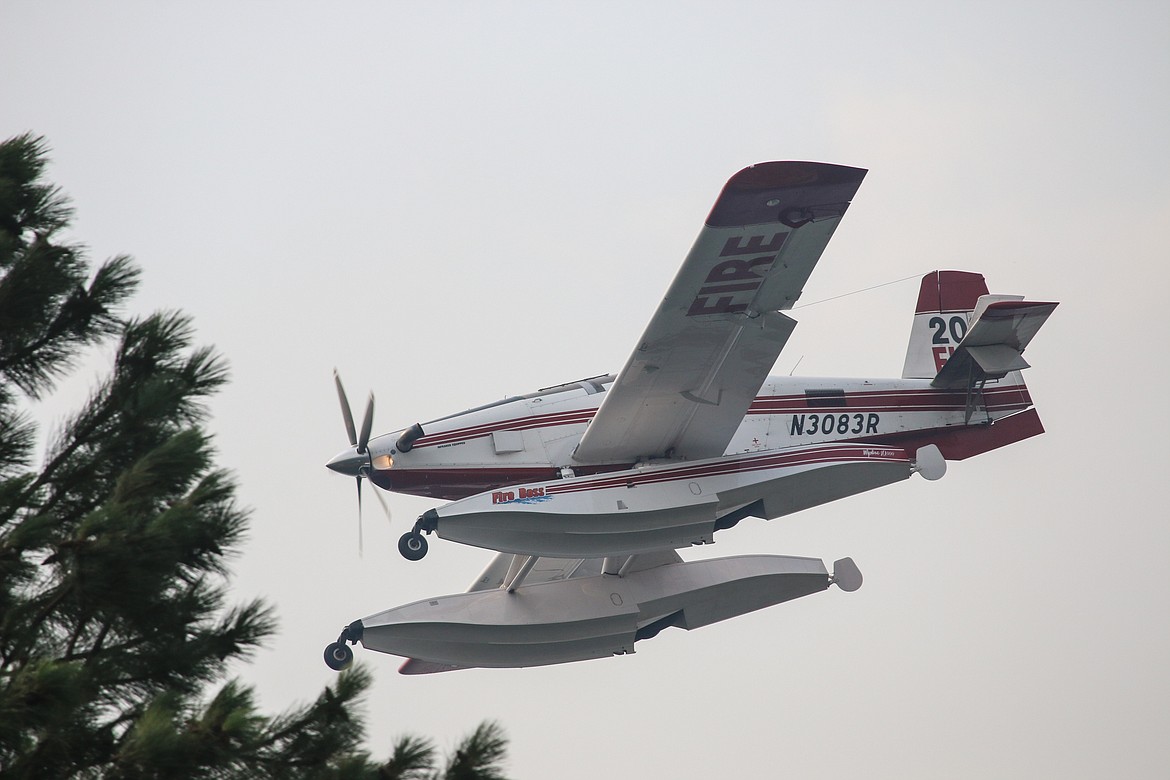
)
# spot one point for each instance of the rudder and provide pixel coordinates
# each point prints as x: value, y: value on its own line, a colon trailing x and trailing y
x: 946, y: 301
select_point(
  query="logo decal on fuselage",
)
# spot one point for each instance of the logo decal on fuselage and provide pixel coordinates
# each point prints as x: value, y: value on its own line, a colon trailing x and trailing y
x: 520, y: 496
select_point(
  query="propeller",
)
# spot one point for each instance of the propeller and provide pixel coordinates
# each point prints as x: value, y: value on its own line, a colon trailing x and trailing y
x: 357, y: 465
x: 347, y: 415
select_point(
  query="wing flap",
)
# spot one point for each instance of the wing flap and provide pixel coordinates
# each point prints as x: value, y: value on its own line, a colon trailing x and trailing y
x: 676, y: 396
x: 717, y: 333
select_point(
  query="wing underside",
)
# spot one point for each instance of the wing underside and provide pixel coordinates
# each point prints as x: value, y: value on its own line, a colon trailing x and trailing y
x: 507, y: 572
x: 718, y: 331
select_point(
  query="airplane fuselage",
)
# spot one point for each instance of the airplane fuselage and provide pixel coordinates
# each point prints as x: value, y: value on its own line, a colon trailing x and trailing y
x: 531, y: 438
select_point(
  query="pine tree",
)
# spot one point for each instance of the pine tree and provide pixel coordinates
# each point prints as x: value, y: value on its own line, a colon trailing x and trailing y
x: 114, y: 624
x: 479, y: 755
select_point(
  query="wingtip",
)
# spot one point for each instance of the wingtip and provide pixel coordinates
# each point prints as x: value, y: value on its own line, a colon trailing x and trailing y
x: 765, y: 192
x: 794, y: 173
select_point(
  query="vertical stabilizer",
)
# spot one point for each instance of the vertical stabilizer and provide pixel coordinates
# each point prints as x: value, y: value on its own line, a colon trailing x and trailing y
x: 946, y: 300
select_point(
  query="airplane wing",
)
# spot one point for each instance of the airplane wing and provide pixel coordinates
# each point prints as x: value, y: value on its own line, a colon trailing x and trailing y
x: 504, y: 572
x: 718, y: 331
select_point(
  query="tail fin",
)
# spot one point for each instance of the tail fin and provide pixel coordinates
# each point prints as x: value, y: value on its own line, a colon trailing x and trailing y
x: 961, y: 334
x: 946, y: 301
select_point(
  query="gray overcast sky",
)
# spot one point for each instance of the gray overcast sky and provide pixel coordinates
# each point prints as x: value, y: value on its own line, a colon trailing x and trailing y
x: 452, y: 202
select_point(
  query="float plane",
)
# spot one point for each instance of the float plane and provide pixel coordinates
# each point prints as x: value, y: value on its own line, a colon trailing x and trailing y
x: 587, y: 490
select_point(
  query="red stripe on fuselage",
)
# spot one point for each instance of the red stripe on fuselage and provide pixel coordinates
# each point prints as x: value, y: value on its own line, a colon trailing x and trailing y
x: 956, y: 443
x: 805, y: 456
x: 927, y: 400
x: 924, y: 400
x: 577, y: 417
x: 451, y: 483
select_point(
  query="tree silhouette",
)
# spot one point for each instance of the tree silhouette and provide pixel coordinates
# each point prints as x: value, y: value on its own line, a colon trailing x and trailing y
x: 114, y: 622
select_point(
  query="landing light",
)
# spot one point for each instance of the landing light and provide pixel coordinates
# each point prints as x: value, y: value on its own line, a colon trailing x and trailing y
x: 383, y: 462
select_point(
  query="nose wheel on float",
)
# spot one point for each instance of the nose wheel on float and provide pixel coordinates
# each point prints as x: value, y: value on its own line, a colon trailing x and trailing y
x: 412, y: 544
x: 338, y: 655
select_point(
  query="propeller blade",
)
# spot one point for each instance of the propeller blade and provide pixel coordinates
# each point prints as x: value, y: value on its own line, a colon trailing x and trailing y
x: 385, y: 506
x: 367, y: 424
x: 360, y: 443
x: 361, y: 551
x: 346, y: 414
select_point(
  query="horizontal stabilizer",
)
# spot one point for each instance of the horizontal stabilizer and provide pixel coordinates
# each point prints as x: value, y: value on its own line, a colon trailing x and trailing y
x: 995, y: 343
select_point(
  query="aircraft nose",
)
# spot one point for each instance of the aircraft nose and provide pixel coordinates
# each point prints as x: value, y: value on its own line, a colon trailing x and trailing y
x: 349, y: 462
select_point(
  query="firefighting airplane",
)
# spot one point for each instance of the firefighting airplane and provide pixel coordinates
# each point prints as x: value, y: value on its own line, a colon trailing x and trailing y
x: 586, y: 490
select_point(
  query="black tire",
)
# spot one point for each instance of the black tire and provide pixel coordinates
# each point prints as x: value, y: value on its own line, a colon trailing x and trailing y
x: 412, y: 546
x: 338, y: 656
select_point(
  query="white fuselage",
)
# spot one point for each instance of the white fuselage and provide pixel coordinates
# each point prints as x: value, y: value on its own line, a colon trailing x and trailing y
x: 531, y: 438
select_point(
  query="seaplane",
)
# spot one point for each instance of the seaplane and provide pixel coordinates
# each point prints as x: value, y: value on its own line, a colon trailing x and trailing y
x: 587, y: 490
